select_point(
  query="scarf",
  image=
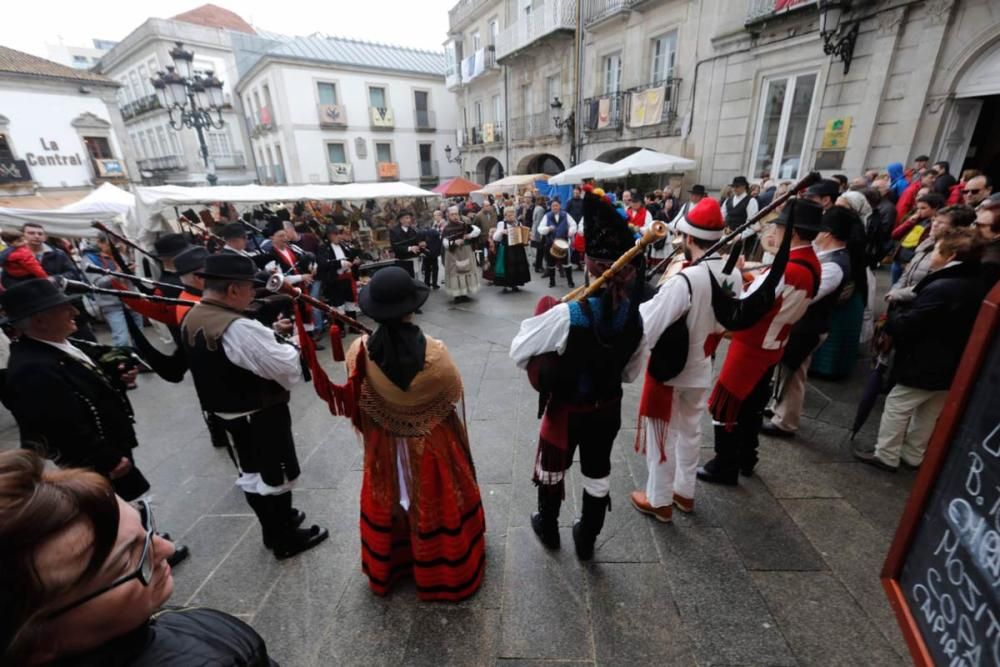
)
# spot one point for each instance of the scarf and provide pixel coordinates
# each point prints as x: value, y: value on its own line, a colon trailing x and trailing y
x: 398, y: 348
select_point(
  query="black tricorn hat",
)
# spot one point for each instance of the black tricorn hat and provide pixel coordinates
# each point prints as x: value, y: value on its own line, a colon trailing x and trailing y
x: 190, y: 260
x: 606, y: 234
x: 170, y: 245
x: 228, y: 266
x: 392, y: 295
x: 234, y: 230
x: 805, y: 214
x: 30, y: 297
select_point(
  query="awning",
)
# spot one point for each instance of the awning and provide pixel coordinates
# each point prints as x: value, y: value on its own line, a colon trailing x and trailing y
x: 70, y: 213
x: 456, y: 187
x: 647, y: 162
x: 511, y: 184
x: 585, y: 170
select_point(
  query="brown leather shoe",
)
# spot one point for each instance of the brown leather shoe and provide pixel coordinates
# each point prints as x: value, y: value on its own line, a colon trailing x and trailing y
x: 685, y: 505
x: 641, y: 503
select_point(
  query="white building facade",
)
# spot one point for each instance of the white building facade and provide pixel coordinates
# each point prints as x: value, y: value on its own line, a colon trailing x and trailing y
x: 173, y: 156
x: 331, y: 110
x: 743, y: 87
x: 60, y: 129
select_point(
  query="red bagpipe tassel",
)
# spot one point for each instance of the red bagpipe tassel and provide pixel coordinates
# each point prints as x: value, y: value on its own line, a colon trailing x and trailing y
x: 542, y: 367
x: 336, y: 343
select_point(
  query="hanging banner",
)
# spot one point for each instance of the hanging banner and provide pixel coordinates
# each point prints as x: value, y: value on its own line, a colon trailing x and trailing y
x: 646, y: 107
x: 603, y: 113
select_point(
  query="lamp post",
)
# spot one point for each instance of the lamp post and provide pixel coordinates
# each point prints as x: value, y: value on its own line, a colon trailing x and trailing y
x: 837, y: 40
x: 448, y: 156
x: 193, y: 97
x: 569, y: 122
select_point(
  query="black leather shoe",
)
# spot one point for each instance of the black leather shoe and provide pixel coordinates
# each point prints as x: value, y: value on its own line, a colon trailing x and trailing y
x: 768, y: 428
x: 181, y: 552
x: 715, y: 477
x: 297, y: 517
x: 871, y: 459
x: 549, y: 536
x: 746, y: 471
x: 299, y: 540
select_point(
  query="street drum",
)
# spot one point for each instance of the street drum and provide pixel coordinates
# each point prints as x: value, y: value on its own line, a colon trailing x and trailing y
x: 559, y: 249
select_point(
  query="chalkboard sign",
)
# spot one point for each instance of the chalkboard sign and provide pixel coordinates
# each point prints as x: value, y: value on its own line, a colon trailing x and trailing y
x: 942, y: 574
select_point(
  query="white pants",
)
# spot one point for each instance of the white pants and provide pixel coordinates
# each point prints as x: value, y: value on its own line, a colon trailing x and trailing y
x: 908, y: 420
x: 788, y: 411
x: 678, y: 473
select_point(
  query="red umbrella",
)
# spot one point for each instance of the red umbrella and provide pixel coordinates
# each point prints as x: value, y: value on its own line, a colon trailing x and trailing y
x: 456, y: 187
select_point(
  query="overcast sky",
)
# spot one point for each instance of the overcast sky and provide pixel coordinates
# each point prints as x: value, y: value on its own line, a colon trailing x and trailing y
x: 416, y: 23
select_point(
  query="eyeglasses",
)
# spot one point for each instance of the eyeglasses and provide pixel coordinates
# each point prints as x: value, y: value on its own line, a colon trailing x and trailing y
x: 972, y: 192
x: 143, y: 571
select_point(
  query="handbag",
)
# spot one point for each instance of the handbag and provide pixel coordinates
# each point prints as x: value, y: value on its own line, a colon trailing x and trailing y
x: 463, y: 265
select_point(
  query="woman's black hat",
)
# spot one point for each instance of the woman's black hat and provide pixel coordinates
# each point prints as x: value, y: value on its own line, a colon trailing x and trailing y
x: 190, y: 260
x: 229, y: 266
x: 392, y: 295
x: 31, y: 297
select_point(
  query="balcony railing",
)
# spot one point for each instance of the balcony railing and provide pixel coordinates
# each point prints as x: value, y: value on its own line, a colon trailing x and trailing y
x: 758, y: 10
x: 535, y: 126
x: 598, y: 10
x: 453, y: 77
x: 552, y: 17
x: 279, y: 175
x: 234, y: 160
x: 603, y: 112
x: 429, y: 170
x: 140, y: 106
x: 671, y: 92
x: 425, y: 120
x: 478, y: 63
x: 487, y: 133
x: 164, y: 163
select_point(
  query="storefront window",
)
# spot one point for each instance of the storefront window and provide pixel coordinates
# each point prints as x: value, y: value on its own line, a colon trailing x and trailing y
x: 98, y: 147
x: 781, y: 131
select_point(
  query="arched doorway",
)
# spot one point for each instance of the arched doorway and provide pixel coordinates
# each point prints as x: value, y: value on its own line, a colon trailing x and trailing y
x: 541, y: 163
x: 969, y: 139
x: 488, y: 170
x: 616, y: 154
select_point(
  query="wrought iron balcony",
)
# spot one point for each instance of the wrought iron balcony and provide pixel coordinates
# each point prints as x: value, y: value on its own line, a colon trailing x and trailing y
x: 604, y: 112
x: 534, y: 126
x: 425, y: 120
x: 141, y: 106
x: 595, y: 11
x: 458, y: 14
x: 233, y: 160
x: 163, y: 163
x: 552, y: 17
x: 429, y: 170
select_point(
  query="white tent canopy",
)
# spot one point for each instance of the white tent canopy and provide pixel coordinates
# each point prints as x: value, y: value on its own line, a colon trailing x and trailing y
x: 107, y: 204
x: 584, y: 170
x: 646, y: 161
x: 511, y: 184
x: 152, y: 201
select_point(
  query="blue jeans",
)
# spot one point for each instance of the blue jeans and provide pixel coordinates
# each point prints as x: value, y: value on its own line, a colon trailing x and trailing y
x: 115, y: 318
x: 314, y: 291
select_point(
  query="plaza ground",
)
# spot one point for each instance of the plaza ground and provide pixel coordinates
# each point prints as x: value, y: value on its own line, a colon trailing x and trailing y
x: 782, y: 570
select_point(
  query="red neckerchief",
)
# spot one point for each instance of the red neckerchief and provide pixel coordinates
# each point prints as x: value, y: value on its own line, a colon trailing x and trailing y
x: 289, y: 258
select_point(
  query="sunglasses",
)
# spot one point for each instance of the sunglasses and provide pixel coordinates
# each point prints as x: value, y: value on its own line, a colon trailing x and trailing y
x: 972, y: 192
x: 143, y: 571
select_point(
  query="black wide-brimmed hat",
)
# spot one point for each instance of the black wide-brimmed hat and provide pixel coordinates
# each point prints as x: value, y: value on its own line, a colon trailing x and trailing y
x: 698, y: 190
x: 169, y: 245
x: 402, y: 214
x: 606, y: 233
x: 839, y: 221
x: 228, y: 266
x: 32, y: 296
x: 190, y: 260
x: 805, y: 214
x: 234, y: 230
x: 741, y: 181
x: 392, y: 295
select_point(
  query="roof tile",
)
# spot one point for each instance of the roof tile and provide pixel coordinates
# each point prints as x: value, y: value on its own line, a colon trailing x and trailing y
x: 18, y: 62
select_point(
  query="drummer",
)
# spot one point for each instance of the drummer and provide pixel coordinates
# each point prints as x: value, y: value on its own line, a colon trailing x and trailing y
x: 557, y: 229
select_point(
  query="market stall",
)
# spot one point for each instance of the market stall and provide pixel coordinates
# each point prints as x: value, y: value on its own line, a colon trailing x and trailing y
x: 107, y: 204
x: 586, y: 170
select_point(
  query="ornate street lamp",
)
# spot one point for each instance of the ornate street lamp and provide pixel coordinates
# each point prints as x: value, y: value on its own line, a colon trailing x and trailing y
x: 193, y: 97
x: 448, y: 156
x: 837, y: 40
x: 569, y: 122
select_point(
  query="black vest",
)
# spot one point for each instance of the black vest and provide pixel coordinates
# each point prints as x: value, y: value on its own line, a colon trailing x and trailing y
x: 590, y: 370
x: 223, y: 386
x: 819, y: 315
x: 736, y: 214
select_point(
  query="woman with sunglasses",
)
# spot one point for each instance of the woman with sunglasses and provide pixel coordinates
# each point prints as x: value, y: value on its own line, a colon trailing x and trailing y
x: 83, y: 575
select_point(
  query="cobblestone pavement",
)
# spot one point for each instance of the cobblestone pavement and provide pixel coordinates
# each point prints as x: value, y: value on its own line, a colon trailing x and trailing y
x: 782, y: 570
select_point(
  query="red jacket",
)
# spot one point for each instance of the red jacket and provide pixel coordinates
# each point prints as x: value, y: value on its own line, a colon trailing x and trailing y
x: 21, y: 263
x: 955, y: 194
x: 907, y: 200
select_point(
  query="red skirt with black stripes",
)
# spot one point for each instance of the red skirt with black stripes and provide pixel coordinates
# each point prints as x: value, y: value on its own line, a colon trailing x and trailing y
x: 440, y: 541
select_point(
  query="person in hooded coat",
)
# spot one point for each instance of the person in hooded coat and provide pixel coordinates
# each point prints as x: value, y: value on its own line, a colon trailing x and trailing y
x: 421, y: 511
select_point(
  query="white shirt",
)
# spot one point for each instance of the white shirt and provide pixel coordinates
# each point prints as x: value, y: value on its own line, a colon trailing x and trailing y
x: 549, y: 332
x: 544, y: 228
x: 498, y: 232
x: 830, y: 275
x: 71, y: 350
x: 252, y: 346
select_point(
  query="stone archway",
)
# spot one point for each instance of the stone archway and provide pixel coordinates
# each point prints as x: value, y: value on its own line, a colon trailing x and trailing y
x: 488, y: 170
x: 541, y: 163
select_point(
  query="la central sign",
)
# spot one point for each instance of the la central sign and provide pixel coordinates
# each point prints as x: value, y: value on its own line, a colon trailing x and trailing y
x: 52, y: 158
